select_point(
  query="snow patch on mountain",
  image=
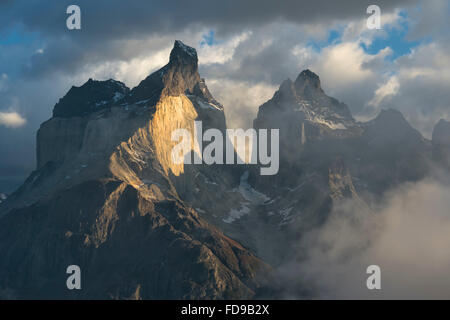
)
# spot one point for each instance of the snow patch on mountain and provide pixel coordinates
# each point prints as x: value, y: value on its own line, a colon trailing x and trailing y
x: 250, y: 194
x: 252, y: 197
x: 331, y: 125
x: 236, y: 214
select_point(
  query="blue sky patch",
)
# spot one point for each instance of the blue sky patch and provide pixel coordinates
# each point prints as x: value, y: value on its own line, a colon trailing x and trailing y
x: 334, y: 37
x: 17, y: 35
x: 394, y: 38
x: 209, y: 39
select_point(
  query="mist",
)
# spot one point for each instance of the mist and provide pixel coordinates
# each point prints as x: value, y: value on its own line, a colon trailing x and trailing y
x: 408, y: 237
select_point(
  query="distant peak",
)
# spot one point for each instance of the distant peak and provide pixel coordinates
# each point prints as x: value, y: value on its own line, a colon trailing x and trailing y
x: 308, y: 73
x: 391, y: 113
x: 391, y: 118
x: 307, y: 77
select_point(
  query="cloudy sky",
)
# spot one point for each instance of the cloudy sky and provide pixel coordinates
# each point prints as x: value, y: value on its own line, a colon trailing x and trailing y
x: 246, y: 49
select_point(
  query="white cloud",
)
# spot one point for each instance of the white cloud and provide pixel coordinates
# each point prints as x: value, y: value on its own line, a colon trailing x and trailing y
x: 341, y: 65
x: 11, y: 119
x: 385, y: 91
x: 133, y: 71
x: 408, y: 238
x: 240, y: 99
x: 223, y: 52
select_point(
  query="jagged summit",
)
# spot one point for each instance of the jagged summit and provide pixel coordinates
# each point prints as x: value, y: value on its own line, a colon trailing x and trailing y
x: 179, y: 76
x: 180, y: 50
x: 308, y: 80
x: 304, y: 100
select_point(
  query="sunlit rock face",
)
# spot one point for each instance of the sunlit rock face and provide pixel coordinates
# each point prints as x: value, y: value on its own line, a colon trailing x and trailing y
x: 108, y: 189
x: 106, y: 194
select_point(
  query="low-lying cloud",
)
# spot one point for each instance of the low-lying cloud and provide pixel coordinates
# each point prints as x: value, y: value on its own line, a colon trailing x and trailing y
x: 409, y: 238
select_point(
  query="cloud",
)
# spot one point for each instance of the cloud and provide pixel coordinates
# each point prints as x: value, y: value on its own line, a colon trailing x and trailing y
x: 408, y: 237
x: 240, y: 99
x: 130, y: 72
x: 342, y: 64
x: 385, y: 91
x: 223, y: 52
x: 256, y: 46
x: 65, y: 50
x: 11, y: 119
x: 424, y: 79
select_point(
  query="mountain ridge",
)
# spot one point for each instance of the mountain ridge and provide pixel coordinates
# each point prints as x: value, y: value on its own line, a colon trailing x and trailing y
x: 106, y: 193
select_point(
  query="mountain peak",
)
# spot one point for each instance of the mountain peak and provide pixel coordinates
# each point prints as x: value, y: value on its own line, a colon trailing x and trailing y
x: 307, y: 78
x: 93, y: 95
x: 180, y: 49
x: 391, y: 120
x: 178, y: 77
x: 303, y: 100
x: 183, y: 56
x: 391, y: 116
x: 391, y: 127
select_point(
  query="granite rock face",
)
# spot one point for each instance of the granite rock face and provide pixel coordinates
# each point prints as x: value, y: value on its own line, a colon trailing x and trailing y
x: 107, y: 196
x: 127, y: 246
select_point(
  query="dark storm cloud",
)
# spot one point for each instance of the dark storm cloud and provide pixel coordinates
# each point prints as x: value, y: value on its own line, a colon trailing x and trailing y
x: 123, y: 18
x: 104, y: 23
x: 271, y: 62
x: 119, y: 31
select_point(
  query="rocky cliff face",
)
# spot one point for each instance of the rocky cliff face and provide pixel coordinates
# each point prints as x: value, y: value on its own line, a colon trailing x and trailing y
x: 106, y: 188
x: 127, y: 246
x: 107, y: 196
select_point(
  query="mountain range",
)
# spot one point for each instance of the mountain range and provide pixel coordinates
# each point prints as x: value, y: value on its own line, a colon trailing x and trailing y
x: 106, y: 196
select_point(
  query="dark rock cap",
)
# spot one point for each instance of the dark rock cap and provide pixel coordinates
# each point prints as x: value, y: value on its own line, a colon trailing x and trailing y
x: 92, y: 96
